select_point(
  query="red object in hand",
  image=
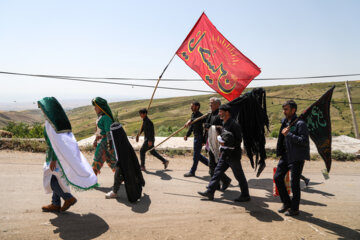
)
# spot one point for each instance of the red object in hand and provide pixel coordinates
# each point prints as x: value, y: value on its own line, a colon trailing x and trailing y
x: 287, y: 184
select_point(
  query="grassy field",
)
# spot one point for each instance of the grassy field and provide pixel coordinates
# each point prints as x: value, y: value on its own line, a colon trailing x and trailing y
x: 171, y: 113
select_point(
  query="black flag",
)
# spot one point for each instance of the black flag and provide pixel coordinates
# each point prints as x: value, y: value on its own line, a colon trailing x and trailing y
x: 250, y: 112
x: 317, y: 118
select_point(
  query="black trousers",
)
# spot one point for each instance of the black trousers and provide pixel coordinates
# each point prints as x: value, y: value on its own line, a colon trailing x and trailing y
x: 295, y: 171
x: 153, y: 152
x: 118, y: 179
x: 221, y: 167
x: 212, y: 165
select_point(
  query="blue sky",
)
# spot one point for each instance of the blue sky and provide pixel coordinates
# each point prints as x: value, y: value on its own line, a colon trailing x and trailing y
x: 138, y: 38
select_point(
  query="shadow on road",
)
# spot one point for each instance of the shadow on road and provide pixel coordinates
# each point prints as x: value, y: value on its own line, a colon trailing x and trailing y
x: 267, y: 184
x: 161, y: 173
x: 341, y: 231
x: 79, y: 226
x: 141, y: 206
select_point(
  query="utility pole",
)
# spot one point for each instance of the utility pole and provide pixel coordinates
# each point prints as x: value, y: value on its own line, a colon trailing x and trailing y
x: 352, y: 111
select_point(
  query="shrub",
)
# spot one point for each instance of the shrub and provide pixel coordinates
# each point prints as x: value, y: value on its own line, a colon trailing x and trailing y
x: 270, y: 153
x: 24, y: 145
x: 274, y: 134
x: 24, y: 130
x: 87, y: 148
x: 341, y: 156
x: 164, y: 131
x: 314, y: 157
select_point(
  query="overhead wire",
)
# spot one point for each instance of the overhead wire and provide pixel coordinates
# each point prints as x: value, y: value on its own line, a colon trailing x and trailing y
x: 87, y: 79
x: 171, y: 79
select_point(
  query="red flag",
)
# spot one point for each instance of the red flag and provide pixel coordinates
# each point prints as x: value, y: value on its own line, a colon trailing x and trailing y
x: 223, y: 67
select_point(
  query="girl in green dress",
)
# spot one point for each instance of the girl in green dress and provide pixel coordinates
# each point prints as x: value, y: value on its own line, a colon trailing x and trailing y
x: 104, y: 150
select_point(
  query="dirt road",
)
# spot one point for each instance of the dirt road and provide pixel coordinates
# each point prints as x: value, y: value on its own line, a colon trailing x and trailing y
x: 171, y: 208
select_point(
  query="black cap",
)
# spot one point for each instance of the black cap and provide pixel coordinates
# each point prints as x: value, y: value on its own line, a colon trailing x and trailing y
x: 225, y: 107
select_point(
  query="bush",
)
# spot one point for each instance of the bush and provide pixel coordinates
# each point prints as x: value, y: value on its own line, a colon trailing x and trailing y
x: 24, y: 145
x: 24, y: 130
x: 87, y: 148
x: 270, y: 153
x: 274, y: 134
x: 175, y: 152
x: 164, y: 131
x: 341, y: 156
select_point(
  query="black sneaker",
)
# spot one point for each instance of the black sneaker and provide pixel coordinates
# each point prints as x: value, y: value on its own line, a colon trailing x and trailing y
x: 166, y: 164
x: 307, y: 180
x: 189, y: 174
x: 283, y: 209
x: 242, y: 199
x: 292, y: 212
x: 207, y: 194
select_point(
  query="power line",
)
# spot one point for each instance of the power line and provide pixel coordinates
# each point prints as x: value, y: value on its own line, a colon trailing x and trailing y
x: 83, y: 79
x: 169, y: 79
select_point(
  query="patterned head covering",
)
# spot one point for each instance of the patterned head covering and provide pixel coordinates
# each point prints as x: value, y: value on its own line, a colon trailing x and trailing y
x: 55, y: 114
x: 103, y: 105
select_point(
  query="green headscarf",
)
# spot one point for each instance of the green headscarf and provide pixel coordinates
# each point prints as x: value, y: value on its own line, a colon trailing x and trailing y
x: 103, y: 105
x: 55, y: 114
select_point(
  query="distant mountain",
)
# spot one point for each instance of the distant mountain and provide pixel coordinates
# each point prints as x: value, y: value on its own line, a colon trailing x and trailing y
x: 174, y: 112
x: 27, y: 116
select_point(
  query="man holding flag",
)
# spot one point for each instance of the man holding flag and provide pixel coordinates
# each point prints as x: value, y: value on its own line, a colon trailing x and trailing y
x: 293, y: 148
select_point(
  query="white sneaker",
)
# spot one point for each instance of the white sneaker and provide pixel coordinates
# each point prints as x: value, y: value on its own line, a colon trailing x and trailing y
x: 110, y: 194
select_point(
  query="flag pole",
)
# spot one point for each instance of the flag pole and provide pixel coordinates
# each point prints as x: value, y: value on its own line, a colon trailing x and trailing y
x: 152, y: 96
x: 174, y: 133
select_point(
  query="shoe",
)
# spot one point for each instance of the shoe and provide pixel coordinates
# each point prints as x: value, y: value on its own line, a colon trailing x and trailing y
x: 166, y: 164
x: 306, y: 181
x: 110, y: 194
x: 189, y: 174
x: 225, y: 185
x: 143, y: 168
x: 292, y: 212
x: 283, y: 209
x: 68, y: 203
x: 207, y: 194
x: 51, y: 208
x: 96, y: 171
x: 242, y: 199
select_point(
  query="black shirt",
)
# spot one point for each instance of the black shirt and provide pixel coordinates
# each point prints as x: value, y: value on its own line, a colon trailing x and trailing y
x: 213, y: 119
x: 148, y: 129
x: 197, y: 127
x: 232, y: 126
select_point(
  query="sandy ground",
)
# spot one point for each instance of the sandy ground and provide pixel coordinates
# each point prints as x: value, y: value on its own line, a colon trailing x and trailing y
x: 343, y: 143
x: 170, y: 207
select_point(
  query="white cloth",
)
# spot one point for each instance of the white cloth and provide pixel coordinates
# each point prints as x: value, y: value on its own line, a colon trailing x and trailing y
x: 213, y: 142
x: 57, y: 173
x: 76, y: 168
x: 220, y: 140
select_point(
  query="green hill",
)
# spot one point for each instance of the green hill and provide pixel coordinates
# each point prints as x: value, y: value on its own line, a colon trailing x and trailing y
x: 169, y: 114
